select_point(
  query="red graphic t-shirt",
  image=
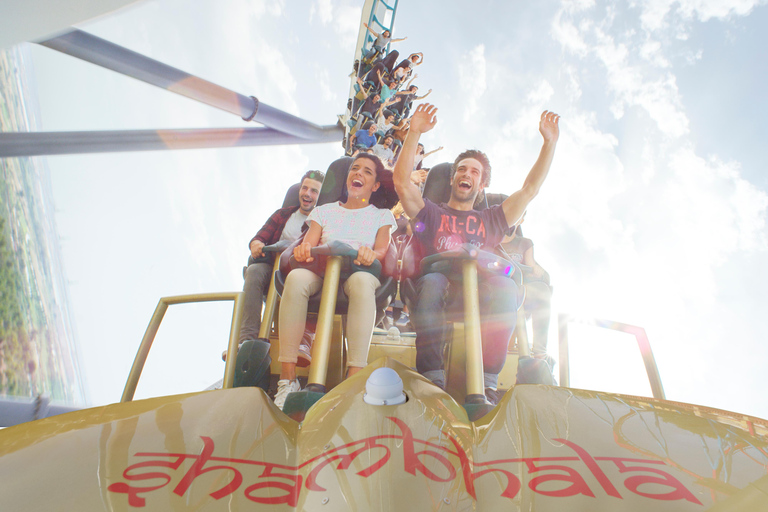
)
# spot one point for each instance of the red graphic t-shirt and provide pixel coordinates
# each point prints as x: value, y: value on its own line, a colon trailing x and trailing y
x: 441, y: 228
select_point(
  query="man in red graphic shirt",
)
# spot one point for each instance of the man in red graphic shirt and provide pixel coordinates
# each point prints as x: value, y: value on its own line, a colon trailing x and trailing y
x: 443, y: 227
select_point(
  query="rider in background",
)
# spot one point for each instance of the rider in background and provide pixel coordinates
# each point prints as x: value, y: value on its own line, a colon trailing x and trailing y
x: 364, y: 222
x: 381, y: 42
x: 440, y: 228
x: 538, y: 292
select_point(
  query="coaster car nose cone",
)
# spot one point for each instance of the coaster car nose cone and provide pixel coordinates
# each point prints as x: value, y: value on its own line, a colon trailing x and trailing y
x: 384, y: 387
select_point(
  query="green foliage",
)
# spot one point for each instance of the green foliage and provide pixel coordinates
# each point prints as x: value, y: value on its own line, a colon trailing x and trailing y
x: 14, y: 339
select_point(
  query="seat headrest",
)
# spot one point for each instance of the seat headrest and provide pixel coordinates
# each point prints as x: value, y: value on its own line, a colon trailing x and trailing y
x: 335, y: 183
x: 292, y: 196
x: 437, y: 188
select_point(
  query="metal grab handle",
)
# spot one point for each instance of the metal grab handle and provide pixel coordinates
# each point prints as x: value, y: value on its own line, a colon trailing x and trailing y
x: 486, y: 261
x: 321, y: 350
x: 154, y: 325
x: 336, y: 248
x: 472, y: 333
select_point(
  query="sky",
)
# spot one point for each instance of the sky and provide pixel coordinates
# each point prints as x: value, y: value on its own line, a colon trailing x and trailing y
x: 654, y: 213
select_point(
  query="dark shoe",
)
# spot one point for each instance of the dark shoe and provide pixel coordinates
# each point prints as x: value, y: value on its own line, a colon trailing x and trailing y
x: 546, y: 357
x: 305, y: 349
x: 493, y: 395
x: 534, y: 370
x: 224, y: 354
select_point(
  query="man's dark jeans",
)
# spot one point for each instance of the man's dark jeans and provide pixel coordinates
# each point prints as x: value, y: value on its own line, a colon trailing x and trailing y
x: 498, y: 316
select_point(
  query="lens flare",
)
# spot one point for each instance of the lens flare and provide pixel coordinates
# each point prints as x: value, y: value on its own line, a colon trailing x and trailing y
x: 419, y: 227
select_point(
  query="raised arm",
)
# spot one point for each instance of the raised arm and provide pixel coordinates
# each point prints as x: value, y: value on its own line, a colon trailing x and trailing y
x: 362, y: 87
x: 514, y: 206
x: 397, y: 40
x: 433, y: 151
x: 423, y: 120
x: 379, y: 112
x: 371, y: 30
x: 422, y: 97
x: 391, y: 101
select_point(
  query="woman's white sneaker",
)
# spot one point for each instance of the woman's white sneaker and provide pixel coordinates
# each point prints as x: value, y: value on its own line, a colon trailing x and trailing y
x: 284, y: 388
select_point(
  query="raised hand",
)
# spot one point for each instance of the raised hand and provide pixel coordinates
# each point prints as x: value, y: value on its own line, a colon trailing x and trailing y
x: 419, y: 176
x: 549, y: 126
x: 424, y: 119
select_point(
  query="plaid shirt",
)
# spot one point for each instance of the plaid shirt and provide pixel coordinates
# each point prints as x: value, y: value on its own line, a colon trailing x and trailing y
x: 271, y: 230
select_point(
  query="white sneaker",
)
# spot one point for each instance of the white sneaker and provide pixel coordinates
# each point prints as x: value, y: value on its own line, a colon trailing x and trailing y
x: 284, y: 388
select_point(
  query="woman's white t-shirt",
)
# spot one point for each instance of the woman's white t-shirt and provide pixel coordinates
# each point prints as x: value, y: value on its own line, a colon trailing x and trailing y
x: 356, y: 227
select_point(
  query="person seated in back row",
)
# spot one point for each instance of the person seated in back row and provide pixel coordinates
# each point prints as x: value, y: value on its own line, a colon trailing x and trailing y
x: 384, y: 151
x: 284, y: 224
x: 407, y: 97
x: 364, y: 138
x: 381, y: 42
x: 538, y: 292
x: 440, y: 228
x: 363, y: 221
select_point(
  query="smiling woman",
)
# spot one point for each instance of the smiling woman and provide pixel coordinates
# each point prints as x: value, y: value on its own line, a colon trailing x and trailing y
x: 366, y: 228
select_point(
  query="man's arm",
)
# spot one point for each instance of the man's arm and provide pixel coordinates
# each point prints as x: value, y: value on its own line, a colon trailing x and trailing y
x: 371, y: 30
x: 423, y: 120
x: 379, y: 112
x: 422, y: 97
x: 362, y: 87
x: 514, y: 206
x: 433, y: 151
x: 268, y: 232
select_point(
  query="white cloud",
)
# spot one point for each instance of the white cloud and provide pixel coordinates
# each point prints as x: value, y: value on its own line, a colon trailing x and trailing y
x: 347, y: 24
x: 573, y: 87
x: 568, y: 35
x: 652, y: 52
x: 655, y: 13
x: 343, y: 17
x: 472, y: 79
x: 636, y: 73
x: 324, y: 11
x: 323, y: 80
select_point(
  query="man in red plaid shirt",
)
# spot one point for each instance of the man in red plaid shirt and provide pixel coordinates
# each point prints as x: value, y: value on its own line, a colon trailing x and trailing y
x: 285, y: 224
